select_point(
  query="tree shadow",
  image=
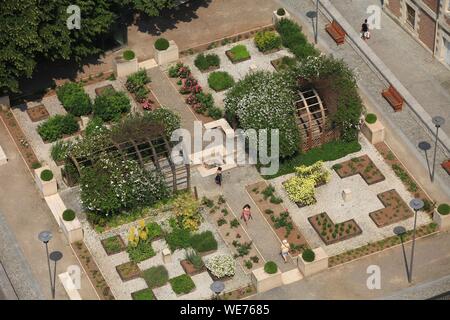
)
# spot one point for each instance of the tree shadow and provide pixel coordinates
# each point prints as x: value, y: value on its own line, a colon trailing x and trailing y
x: 169, y: 18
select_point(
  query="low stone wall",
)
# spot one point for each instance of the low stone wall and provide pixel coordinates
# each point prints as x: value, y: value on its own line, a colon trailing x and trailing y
x: 374, y: 132
x: 443, y: 221
x: 264, y: 281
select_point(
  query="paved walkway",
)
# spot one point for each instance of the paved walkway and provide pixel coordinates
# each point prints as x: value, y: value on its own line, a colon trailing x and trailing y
x: 407, y: 130
x: 27, y: 220
x: 431, y: 262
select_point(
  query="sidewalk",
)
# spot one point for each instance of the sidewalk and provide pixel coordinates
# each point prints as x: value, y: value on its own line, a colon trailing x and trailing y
x: 26, y: 214
x: 406, y: 129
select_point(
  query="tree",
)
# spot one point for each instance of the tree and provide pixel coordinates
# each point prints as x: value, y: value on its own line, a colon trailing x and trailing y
x: 152, y: 8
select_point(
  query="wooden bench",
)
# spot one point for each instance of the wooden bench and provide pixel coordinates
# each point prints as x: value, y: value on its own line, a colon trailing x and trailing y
x: 446, y: 166
x: 336, y: 32
x: 394, y: 98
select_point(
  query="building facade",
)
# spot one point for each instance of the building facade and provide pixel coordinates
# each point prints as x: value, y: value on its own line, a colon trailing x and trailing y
x: 428, y: 21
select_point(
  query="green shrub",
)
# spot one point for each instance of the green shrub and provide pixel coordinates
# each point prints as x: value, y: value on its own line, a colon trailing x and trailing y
x: 68, y: 215
x: 195, y: 259
x: 293, y: 38
x: 308, y: 255
x: 167, y: 118
x: 220, y: 80
x: 239, y: 53
x: 204, y: 62
x: 161, y: 44
x: 156, y: 276
x: 111, y: 105
x: 112, y: 245
x: 154, y: 230
x: 95, y: 125
x: 36, y: 165
x: 59, y: 150
x: 178, y: 239
x: 281, y: 12
x: 137, y: 80
x: 128, y: 55
x: 141, y: 252
x: 267, y: 40
x: 182, y: 284
x: 371, y: 118
x: 270, y: 267
x: 57, y: 126
x: 203, y: 242
x: 145, y: 294
x: 444, y: 209
x: 74, y: 99
x: 46, y: 175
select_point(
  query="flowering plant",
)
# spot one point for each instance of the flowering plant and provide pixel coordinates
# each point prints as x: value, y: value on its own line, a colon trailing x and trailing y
x: 221, y: 266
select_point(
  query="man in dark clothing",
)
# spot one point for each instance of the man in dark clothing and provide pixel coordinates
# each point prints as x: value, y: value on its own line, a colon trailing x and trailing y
x: 365, y: 34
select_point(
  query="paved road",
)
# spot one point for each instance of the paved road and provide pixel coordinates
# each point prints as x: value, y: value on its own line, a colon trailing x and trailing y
x: 431, y: 262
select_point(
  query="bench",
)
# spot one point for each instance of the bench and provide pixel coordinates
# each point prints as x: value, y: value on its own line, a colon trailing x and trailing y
x: 336, y: 32
x: 394, y: 98
x: 446, y: 166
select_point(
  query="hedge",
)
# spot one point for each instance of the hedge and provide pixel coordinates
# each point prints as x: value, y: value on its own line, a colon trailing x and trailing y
x: 220, y: 80
x: 57, y: 126
x: 204, y: 62
x: 444, y: 209
x: 74, y: 99
x: 111, y: 105
x: 267, y: 40
x: 293, y: 38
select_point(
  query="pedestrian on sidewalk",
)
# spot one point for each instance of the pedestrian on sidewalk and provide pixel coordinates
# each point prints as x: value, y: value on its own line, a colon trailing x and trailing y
x: 246, y: 214
x: 365, y: 33
x: 285, y: 247
x: 219, y: 176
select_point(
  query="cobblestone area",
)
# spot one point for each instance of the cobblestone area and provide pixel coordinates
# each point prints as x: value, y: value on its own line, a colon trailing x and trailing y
x: 364, y: 200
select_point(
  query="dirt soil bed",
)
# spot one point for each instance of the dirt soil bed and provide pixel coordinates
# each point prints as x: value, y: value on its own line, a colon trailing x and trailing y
x: 189, y: 268
x: 99, y: 90
x: 93, y: 272
x: 273, y: 214
x: 330, y: 232
x: 38, y: 113
x: 118, y: 242
x: 362, y: 166
x: 240, y: 293
x: 128, y: 271
x: 395, y: 209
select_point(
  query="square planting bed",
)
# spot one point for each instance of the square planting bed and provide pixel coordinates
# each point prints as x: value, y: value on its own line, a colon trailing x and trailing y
x: 128, y: 271
x: 395, y: 209
x: 330, y: 232
x: 182, y: 284
x: 113, y: 245
x: 238, y: 54
x: 189, y: 268
x: 99, y: 90
x: 145, y: 294
x: 37, y: 113
x: 361, y: 165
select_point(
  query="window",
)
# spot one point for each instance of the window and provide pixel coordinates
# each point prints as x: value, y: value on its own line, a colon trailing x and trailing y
x: 410, y: 16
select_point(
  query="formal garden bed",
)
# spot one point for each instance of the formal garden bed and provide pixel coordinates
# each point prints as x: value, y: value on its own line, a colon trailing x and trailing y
x: 113, y: 245
x: 380, y: 245
x: 363, y: 166
x: 100, y: 90
x: 144, y: 294
x: 92, y: 270
x: 38, y: 113
x: 284, y: 63
x: 239, y: 294
x: 138, y: 86
x: 330, y: 232
x: 276, y: 215
x: 238, y: 53
x: 234, y: 235
x: 128, y: 271
x: 395, y: 209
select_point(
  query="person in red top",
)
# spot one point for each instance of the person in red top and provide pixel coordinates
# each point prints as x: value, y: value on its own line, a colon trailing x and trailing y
x: 246, y: 214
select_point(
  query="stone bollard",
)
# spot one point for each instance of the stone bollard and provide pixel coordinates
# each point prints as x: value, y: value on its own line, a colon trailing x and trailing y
x: 347, y: 195
x: 167, y: 255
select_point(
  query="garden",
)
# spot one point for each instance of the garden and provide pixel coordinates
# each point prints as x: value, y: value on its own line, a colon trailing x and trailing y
x: 362, y: 166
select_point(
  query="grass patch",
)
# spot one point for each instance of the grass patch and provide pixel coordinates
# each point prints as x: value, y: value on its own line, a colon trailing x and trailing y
x: 239, y: 53
x: 182, y: 284
x: 203, y: 242
x: 146, y: 294
x: 220, y: 80
x: 156, y: 276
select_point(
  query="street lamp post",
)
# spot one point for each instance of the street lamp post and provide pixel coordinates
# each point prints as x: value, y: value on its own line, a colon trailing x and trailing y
x: 316, y: 38
x: 45, y: 237
x: 55, y: 256
x: 217, y: 287
x: 438, y: 122
x: 416, y: 204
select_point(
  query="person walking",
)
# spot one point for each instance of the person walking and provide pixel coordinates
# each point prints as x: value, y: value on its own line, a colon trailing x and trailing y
x: 285, y: 247
x: 365, y: 33
x: 246, y: 214
x: 219, y: 176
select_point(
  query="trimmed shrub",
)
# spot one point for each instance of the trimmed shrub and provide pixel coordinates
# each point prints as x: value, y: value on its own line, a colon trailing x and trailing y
x: 68, y: 215
x: 270, y: 267
x: 46, y: 175
x: 182, y: 284
x: 371, y: 118
x: 220, y: 80
x: 162, y: 44
x: 444, y: 209
x: 308, y: 255
x: 128, y: 55
x: 239, y: 53
x: 293, y: 38
x: 156, y: 276
x: 57, y: 126
x: 281, y: 12
x: 36, y: 165
x: 74, y: 99
x: 204, y: 62
x: 203, y: 242
x: 215, y: 113
x: 178, y: 239
x: 111, y: 105
x: 267, y: 40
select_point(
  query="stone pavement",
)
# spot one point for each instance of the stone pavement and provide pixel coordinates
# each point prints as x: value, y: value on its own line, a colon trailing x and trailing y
x: 26, y: 221
x: 407, y: 130
x: 348, y: 281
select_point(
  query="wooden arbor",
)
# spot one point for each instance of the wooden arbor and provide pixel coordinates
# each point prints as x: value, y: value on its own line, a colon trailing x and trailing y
x: 312, y: 119
x: 152, y: 152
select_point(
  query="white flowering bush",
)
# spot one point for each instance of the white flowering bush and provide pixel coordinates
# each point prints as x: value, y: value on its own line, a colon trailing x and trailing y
x: 264, y: 100
x: 113, y: 185
x: 221, y: 266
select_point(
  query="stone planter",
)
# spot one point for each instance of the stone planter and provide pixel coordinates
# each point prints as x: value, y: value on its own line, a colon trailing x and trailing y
x: 276, y: 17
x: 47, y: 188
x: 123, y: 68
x: 319, y: 264
x: 72, y: 229
x: 374, y: 132
x: 443, y: 221
x: 264, y: 281
x: 171, y: 54
x: 5, y: 103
